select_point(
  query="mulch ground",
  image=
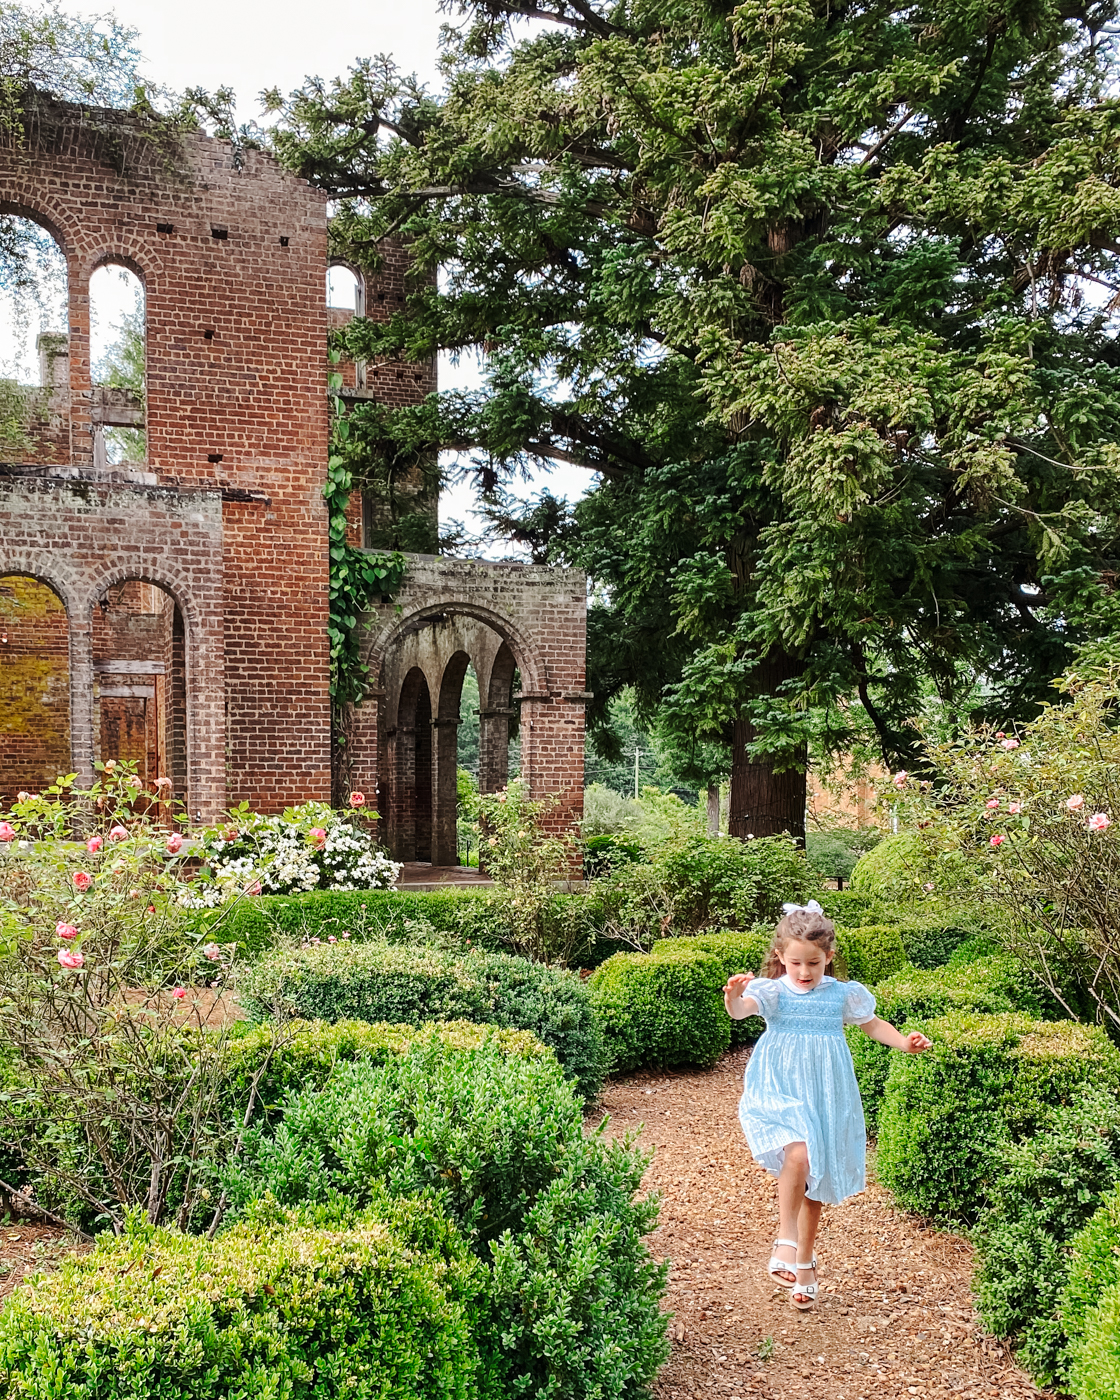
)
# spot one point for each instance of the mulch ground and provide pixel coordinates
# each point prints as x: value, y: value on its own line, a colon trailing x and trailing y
x: 894, y: 1317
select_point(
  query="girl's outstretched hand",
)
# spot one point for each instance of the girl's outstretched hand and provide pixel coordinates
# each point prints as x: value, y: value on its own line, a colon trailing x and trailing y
x: 916, y: 1042
x: 737, y: 984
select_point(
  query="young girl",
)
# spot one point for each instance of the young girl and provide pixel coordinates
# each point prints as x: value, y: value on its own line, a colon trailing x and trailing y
x: 800, y: 1109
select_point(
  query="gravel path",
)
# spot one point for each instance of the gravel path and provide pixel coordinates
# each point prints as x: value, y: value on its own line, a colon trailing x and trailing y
x: 895, y: 1316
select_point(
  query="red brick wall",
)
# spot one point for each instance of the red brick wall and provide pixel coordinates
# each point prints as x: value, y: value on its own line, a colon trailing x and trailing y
x: 235, y: 334
x: 34, y: 687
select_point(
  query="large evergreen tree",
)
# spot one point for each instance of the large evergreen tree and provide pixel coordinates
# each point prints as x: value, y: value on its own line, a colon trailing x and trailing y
x: 822, y: 290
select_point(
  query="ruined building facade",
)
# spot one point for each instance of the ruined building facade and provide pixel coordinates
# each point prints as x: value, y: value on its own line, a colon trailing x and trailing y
x: 173, y: 612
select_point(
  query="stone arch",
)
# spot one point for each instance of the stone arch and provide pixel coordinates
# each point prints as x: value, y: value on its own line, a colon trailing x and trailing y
x: 359, y: 285
x: 526, y: 653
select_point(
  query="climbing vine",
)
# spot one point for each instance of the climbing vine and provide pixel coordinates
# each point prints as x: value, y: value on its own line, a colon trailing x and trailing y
x: 357, y: 576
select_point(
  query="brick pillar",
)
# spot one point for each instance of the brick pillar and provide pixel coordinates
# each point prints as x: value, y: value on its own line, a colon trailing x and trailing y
x: 552, y: 734
x: 445, y: 770
x: 81, y: 696
x: 493, y: 748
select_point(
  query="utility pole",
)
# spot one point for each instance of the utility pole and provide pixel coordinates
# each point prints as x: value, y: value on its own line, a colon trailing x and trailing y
x: 637, y: 757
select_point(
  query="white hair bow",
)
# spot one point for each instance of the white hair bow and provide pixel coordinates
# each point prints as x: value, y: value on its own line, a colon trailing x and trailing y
x: 811, y: 908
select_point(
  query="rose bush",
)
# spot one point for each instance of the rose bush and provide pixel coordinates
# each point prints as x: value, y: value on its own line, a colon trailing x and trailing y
x: 1026, y: 828
x: 106, y: 1080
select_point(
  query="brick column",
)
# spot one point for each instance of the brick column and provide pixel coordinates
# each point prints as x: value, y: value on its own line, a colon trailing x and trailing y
x: 445, y: 770
x: 81, y: 695
x: 493, y: 748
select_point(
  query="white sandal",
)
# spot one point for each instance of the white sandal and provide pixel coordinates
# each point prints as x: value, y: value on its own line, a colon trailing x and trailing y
x: 808, y: 1291
x: 784, y: 1266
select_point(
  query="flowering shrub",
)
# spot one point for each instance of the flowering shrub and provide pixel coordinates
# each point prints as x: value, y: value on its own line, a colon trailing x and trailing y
x: 310, y: 847
x: 1027, y: 828
x: 109, y: 1086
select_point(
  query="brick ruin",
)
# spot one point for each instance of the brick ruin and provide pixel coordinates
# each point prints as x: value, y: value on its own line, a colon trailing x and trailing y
x: 173, y: 612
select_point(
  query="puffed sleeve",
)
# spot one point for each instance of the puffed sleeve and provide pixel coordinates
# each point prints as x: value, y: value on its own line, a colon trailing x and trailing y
x: 764, y: 991
x: 859, y: 1005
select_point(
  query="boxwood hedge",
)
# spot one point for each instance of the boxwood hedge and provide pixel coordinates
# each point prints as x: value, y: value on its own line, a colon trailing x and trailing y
x: 376, y: 981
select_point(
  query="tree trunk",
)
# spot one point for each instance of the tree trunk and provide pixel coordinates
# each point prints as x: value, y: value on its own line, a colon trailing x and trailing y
x: 765, y: 803
x: 713, y: 809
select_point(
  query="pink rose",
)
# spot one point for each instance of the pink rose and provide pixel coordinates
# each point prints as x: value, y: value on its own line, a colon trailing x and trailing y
x: 94, y: 844
x: 7, y: 831
x: 230, y: 834
x: 65, y: 930
x: 134, y: 894
x: 318, y: 837
x: 315, y: 943
x: 1014, y: 808
x: 82, y: 880
x: 992, y: 803
x: 996, y: 841
x: 174, y: 844
x: 69, y: 957
x: 900, y: 777
x: 999, y: 734
x: 253, y: 888
x: 179, y: 993
x: 357, y: 799
x: 133, y: 782
x: 1075, y: 801
x: 110, y: 764
x: 212, y: 951
x: 118, y: 833
x: 1009, y: 744
x: 332, y: 939
x: 23, y: 796
x: 928, y: 887
x: 163, y: 782
x: 346, y: 934
x: 1098, y: 822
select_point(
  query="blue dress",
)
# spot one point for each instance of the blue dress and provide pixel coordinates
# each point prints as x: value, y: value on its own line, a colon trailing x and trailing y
x: 800, y: 1085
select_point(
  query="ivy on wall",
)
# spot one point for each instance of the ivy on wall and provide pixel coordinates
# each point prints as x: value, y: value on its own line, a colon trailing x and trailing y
x: 357, y: 577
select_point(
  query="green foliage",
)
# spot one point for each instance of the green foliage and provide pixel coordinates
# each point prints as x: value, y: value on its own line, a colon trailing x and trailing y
x: 987, y: 1081
x: 374, y: 981
x: 607, y: 813
x: 931, y: 939
x: 872, y: 953
x: 1046, y: 1189
x: 849, y: 403
x: 602, y: 854
x: 836, y: 850
x: 911, y: 998
x: 736, y: 950
x: 1095, y: 1372
x: 274, y: 1306
x: 694, y: 882
x: 1028, y: 824
x: 1093, y: 1272
x: 851, y: 909
x: 892, y: 870
x: 305, y: 1054
x: 572, y: 1306
x: 661, y: 1010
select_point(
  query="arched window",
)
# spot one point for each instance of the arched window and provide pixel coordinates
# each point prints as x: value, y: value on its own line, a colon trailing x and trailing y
x: 34, y: 345
x: 140, y: 682
x: 344, y: 289
x: 34, y: 687
x: 117, y: 363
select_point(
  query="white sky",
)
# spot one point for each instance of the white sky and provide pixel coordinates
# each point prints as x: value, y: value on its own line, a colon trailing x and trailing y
x: 249, y: 45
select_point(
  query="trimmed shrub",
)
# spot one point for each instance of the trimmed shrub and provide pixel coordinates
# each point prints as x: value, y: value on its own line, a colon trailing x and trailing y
x: 278, y: 1308
x: 931, y: 940
x: 911, y: 998
x: 572, y: 1303
x: 602, y: 854
x: 1095, y: 1369
x: 872, y: 953
x: 1093, y: 1273
x: 303, y: 1054
x: 988, y: 1080
x: 379, y: 982
x: 851, y: 909
x: 1046, y: 1190
x: 895, y: 867
x: 736, y: 950
x: 661, y: 1009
